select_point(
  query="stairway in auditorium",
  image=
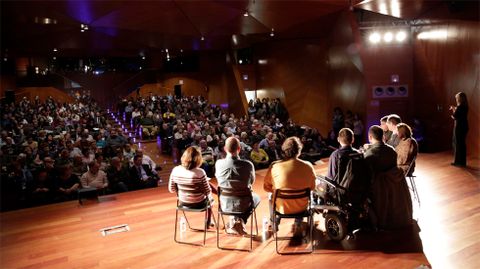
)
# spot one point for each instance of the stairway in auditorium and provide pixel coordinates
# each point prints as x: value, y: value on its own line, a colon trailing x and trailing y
x: 151, y: 146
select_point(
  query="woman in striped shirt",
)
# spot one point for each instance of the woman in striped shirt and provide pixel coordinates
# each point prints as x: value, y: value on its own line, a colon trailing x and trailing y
x: 189, y: 174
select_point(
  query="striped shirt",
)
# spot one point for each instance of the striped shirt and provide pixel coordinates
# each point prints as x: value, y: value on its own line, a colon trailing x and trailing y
x: 181, y: 175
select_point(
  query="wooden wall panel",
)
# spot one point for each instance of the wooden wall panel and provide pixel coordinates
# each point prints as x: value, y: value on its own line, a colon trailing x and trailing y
x: 442, y: 68
x: 7, y: 83
x: 215, y: 81
x: 316, y: 75
x: 346, y: 81
x: 298, y: 67
x: 43, y: 93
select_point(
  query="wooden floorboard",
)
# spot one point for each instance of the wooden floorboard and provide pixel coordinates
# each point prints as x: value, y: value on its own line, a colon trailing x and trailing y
x: 67, y: 235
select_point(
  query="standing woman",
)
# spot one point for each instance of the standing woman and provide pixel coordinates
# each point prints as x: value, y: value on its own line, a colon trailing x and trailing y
x: 460, y: 129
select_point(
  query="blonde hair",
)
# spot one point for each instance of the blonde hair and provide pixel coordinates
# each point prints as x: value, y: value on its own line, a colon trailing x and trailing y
x: 405, y: 130
x: 191, y: 158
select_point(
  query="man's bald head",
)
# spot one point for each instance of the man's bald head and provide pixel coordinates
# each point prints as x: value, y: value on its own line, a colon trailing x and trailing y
x: 232, y: 145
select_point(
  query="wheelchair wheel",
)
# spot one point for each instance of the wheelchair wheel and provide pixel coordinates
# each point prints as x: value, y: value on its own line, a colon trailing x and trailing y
x: 336, y: 226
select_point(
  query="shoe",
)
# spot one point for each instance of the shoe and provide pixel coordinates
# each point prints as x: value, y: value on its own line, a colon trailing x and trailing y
x: 297, y: 231
x: 239, y: 227
x: 231, y: 229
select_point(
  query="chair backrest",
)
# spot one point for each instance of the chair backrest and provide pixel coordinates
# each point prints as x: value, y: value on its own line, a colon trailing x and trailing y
x: 411, y: 167
x: 190, y: 189
x: 285, y: 194
x: 233, y: 193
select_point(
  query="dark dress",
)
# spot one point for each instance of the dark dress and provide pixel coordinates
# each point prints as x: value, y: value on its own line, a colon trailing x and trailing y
x: 460, y: 130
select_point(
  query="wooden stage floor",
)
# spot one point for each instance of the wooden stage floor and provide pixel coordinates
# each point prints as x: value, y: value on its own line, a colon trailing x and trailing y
x: 67, y: 235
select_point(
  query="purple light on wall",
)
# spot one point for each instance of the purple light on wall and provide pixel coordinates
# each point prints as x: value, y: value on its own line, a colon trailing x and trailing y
x: 80, y: 10
x: 224, y: 106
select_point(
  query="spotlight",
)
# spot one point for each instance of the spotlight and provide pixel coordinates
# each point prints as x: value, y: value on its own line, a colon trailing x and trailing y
x: 55, y: 49
x: 202, y: 38
x: 245, y: 14
x: 240, y: 61
x: 272, y: 33
x: 401, y: 36
x: 388, y: 37
x: 374, y: 37
x: 143, y: 57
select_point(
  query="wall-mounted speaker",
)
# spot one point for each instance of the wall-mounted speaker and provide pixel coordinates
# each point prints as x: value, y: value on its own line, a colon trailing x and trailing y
x: 390, y: 91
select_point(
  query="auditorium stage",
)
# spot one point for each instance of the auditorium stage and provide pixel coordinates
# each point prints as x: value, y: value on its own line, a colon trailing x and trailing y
x: 68, y: 235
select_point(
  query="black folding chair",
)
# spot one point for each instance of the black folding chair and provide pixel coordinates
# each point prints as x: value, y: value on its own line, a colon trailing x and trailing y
x: 411, y: 178
x: 292, y: 195
x: 228, y: 192
x: 192, y: 189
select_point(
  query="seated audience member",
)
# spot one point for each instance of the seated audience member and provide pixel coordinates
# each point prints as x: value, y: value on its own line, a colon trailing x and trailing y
x: 67, y: 184
x: 274, y: 152
x: 148, y: 126
x: 141, y: 175
x: 79, y: 167
x: 94, y: 178
x: 239, y: 175
x: 189, y: 172
x: 357, y: 130
x: 290, y: 173
x: 337, y: 162
x: 391, y: 202
x: 392, y: 122
x: 259, y: 157
x: 128, y: 152
x: 208, y: 157
x: 386, y: 133
x: 117, y: 175
x: 146, y: 160
x: 407, y: 149
x: 42, y: 191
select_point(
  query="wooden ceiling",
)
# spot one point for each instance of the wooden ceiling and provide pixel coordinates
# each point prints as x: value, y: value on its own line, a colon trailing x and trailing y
x: 134, y: 27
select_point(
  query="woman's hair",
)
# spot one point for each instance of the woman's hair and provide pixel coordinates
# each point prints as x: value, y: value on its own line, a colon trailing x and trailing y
x: 292, y: 147
x: 462, y: 97
x: 405, y: 130
x: 191, y: 158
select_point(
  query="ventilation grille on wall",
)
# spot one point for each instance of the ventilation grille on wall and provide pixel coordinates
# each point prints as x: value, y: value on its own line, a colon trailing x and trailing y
x: 390, y: 91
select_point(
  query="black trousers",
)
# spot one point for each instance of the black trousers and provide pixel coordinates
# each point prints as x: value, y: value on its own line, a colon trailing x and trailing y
x: 460, y: 145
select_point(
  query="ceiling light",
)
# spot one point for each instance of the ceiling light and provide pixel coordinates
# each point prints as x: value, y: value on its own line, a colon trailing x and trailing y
x: 86, y: 27
x: 245, y: 14
x: 81, y: 30
x: 143, y: 57
x: 55, y: 49
x: 181, y: 50
x: 202, y: 38
x: 374, y: 38
x: 240, y: 61
x: 438, y: 34
x: 272, y: 33
x: 54, y: 58
x: 388, y: 37
x: 401, y: 36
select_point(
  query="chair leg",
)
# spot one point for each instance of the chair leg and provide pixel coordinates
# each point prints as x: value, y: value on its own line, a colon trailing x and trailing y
x: 218, y: 230
x: 176, y: 220
x: 206, y: 227
x: 256, y: 222
x: 311, y: 233
x: 188, y: 223
x: 251, y: 232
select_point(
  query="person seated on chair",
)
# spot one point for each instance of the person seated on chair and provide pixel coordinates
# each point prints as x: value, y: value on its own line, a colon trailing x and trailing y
x: 239, y: 175
x: 189, y: 172
x: 141, y: 175
x: 259, y: 157
x: 336, y: 168
x: 380, y: 156
x: 290, y: 173
x: 146, y: 160
x: 94, y: 177
x: 392, y: 122
x: 208, y: 158
x: 407, y: 149
x: 386, y: 133
x: 117, y: 175
x: 390, y: 197
x: 67, y: 184
x: 148, y: 125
